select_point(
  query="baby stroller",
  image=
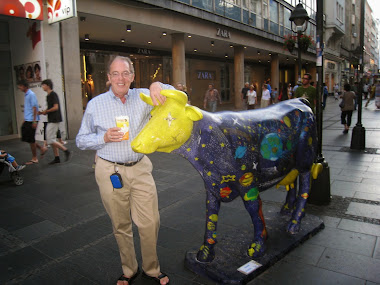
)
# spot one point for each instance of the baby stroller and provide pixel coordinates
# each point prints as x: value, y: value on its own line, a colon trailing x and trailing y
x: 14, y: 173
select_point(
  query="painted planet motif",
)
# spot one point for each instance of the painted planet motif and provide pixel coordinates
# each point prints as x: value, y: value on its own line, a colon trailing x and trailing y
x: 240, y: 151
x: 252, y: 194
x: 271, y: 147
x: 225, y: 192
x: 246, y: 179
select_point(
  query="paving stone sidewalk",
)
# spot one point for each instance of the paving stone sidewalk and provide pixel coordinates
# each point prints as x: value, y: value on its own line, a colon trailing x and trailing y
x: 54, y: 230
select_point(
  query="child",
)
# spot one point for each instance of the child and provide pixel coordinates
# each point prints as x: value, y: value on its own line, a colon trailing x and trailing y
x: 11, y: 159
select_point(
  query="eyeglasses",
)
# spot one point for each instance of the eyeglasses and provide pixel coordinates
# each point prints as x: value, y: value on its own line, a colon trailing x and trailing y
x: 124, y: 74
x: 305, y: 78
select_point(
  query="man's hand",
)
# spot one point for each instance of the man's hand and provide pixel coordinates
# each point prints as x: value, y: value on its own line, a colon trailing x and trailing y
x: 113, y: 135
x: 34, y: 125
x: 155, y: 94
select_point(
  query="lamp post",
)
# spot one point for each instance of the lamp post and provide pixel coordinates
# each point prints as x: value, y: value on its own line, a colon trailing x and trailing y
x: 358, y: 132
x: 299, y: 19
x: 320, y: 187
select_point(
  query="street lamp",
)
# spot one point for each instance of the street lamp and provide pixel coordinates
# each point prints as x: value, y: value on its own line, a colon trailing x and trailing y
x: 299, y: 19
x: 320, y: 187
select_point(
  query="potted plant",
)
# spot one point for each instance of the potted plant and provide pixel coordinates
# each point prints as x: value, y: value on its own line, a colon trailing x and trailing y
x: 290, y: 42
x: 305, y: 42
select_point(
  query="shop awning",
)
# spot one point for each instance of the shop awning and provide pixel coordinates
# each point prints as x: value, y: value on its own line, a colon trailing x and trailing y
x: 30, y: 9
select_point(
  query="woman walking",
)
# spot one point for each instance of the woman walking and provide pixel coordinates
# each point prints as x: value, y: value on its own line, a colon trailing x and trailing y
x: 251, y: 95
x: 265, y: 97
x: 348, y: 98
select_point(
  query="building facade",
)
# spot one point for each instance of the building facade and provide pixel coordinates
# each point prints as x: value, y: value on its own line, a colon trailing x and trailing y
x: 193, y: 42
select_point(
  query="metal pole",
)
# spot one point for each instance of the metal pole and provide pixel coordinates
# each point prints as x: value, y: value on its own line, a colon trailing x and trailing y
x: 299, y: 56
x: 358, y: 132
x: 320, y: 188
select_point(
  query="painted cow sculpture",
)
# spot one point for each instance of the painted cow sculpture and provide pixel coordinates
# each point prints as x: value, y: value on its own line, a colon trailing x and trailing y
x: 238, y: 154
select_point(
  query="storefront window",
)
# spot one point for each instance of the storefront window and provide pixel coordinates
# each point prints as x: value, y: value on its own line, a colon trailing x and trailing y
x: 94, y: 72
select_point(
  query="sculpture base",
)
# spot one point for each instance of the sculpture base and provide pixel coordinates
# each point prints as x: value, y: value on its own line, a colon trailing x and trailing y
x: 231, y: 250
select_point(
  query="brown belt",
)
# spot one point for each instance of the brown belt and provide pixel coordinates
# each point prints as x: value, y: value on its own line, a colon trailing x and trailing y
x: 124, y: 163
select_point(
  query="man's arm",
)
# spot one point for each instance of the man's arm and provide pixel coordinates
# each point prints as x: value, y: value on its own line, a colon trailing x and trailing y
x: 155, y: 92
x: 89, y: 137
x: 52, y: 109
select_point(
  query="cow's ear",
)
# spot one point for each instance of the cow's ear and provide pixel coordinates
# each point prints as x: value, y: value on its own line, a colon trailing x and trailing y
x: 193, y: 113
x: 146, y: 99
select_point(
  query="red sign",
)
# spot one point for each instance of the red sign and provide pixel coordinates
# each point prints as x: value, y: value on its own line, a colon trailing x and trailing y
x: 30, y: 9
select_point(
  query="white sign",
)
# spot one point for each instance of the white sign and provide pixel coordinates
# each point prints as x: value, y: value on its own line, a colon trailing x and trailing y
x: 59, y: 10
x: 249, y: 267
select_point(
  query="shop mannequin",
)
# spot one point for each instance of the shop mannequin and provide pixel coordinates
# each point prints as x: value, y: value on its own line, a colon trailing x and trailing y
x: 89, y: 85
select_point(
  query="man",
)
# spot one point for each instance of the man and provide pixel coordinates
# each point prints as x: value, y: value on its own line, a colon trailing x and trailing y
x: 53, y: 112
x: 31, y: 118
x: 132, y: 196
x: 211, y: 98
x: 244, y: 91
x: 268, y: 86
x: 307, y: 91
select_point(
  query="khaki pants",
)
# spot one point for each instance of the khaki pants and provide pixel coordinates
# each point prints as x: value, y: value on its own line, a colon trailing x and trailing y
x: 136, y: 201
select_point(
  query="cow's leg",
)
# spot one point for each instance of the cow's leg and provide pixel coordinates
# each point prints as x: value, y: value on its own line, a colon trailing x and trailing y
x: 299, y: 212
x: 207, y: 253
x: 291, y: 198
x: 254, y: 208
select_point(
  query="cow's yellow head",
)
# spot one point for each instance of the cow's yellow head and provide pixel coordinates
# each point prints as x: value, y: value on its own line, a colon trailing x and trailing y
x: 170, y: 126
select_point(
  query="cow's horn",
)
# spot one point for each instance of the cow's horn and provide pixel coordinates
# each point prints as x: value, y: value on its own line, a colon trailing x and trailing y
x: 176, y: 95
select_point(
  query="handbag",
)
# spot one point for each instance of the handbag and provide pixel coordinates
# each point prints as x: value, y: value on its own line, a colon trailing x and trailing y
x: 341, y: 104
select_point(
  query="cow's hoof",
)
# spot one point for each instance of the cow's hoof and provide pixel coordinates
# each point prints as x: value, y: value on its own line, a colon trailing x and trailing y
x: 205, y: 254
x: 257, y: 249
x: 293, y: 227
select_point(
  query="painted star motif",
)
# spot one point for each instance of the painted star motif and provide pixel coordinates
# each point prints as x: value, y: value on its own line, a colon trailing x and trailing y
x: 170, y: 119
x: 236, y: 121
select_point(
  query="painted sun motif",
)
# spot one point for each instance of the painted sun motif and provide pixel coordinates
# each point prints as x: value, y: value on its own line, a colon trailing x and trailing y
x: 170, y: 119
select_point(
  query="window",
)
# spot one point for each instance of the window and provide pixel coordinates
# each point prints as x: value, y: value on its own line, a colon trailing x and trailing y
x: 274, y: 17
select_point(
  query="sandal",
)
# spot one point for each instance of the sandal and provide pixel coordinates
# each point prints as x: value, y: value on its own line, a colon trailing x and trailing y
x: 156, y: 279
x: 129, y: 279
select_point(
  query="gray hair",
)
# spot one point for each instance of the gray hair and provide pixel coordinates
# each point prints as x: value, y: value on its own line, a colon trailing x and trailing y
x: 123, y: 58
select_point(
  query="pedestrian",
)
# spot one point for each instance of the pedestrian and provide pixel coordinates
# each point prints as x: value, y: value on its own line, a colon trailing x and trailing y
x: 365, y: 90
x: 348, y: 97
x: 212, y: 97
x: 244, y: 91
x: 307, y: 91
x: 325, y: 94
x: 265, y: 97
x: 336, y: 91
x: 31, y: 118
x: 356, y: 91
x: 269, y: 87
x: 182, y: 87
x: 289, y: 92
x: 125, y: 180
x: 251, y: 96
x: 372, y: 95
x: 377, y: 94
x: 7, y: 157
x: 53, y: 112
x: 295, y: 88
x: 274, y: 95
